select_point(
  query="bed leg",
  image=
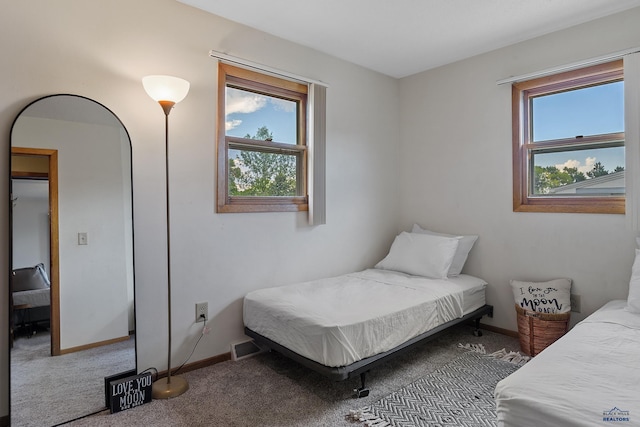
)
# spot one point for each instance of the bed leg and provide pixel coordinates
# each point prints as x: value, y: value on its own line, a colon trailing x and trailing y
x: 477, y: 332
x: 362, y: 391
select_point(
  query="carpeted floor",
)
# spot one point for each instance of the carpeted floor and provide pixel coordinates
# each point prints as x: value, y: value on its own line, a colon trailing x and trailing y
x: 49, y: 390
x: 270, y: 390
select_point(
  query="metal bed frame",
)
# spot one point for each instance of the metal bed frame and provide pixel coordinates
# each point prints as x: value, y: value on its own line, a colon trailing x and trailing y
x: 361, y: 367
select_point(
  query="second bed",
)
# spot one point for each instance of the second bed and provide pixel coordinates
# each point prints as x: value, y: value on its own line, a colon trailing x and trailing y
x: 344, y: 325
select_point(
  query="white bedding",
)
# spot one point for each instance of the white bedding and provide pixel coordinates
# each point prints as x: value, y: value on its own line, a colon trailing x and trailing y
x: 341, y: 320
x: 32, y: 298
x: 581, y: 378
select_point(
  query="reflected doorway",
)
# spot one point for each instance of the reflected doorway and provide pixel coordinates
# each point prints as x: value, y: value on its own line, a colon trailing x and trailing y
x: 34, y: 200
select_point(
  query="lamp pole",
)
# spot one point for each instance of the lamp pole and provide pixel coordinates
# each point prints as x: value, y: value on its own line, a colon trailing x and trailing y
x: 167, y: 91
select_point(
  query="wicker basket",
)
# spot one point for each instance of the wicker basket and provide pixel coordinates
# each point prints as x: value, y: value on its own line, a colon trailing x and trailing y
x: 539, y: 330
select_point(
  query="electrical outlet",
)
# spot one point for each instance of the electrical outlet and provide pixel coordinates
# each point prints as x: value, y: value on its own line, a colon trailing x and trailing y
x: 576, y: 303
x: 202, y: 309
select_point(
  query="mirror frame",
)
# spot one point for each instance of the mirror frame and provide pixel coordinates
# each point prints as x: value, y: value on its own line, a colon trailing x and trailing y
x: 52, y: 155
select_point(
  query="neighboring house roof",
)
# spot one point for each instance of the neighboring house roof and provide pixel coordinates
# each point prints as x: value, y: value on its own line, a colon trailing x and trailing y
x: 612, y: 183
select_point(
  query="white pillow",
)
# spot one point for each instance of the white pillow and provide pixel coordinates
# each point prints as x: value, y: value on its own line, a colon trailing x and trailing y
x: 420, y: 255
x: 633, y: 300
x: 552, y: 297
x: 464, y: 247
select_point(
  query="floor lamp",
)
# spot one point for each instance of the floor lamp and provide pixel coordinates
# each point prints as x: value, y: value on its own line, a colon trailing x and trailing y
x: 167, y: 91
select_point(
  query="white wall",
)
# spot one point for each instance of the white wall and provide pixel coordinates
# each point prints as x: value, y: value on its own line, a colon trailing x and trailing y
x: 127, y: 213
x: 31, y: 224
x: 456, y: 175
x: 102, y: 50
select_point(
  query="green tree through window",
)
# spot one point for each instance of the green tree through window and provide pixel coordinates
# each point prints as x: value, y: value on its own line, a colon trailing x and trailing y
x: 550, y: 177
x: 254, y: 173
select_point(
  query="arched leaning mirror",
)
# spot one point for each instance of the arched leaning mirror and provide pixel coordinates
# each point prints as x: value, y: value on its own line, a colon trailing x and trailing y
x: 71, y: 289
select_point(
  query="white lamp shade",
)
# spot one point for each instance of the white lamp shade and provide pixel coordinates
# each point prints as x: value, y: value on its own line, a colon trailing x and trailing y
x: 166, y: 88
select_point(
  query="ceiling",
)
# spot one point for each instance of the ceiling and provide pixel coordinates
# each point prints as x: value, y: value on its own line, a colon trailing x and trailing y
x: 404, y: 37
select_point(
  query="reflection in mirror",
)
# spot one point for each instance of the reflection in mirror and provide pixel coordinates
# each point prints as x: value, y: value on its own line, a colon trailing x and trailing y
x: 71, y: 298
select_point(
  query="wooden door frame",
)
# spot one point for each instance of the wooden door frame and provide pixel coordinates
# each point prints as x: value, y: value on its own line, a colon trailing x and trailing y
x: 54, y: 250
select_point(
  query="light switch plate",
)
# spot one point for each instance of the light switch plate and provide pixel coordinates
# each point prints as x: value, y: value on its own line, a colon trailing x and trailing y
x: 83, y: 239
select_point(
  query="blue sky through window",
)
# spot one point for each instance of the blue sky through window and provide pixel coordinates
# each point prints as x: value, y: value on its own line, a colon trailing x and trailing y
x: 246, y: 112
x: 590, y: 111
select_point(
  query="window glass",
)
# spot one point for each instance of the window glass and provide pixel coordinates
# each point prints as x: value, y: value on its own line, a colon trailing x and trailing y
x: 254, y: 173
x: 554, y: 172
x: 594, y: 110
x: 258, y: 116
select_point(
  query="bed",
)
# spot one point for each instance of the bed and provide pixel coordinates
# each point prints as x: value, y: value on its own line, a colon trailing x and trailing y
x: 589, y: 377
x: 30, y: 297
x: 344, y: 326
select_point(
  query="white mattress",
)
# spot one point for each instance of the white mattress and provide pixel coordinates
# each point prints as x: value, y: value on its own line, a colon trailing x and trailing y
x: 341, y: 320
x: 581, y: 378
x: 33, y: 298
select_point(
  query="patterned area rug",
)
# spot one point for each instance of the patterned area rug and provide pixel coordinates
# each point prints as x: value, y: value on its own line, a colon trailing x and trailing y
x: 458, y: 394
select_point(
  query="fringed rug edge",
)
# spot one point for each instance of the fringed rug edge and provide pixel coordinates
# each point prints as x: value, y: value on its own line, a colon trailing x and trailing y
x: 368, y: 419
x: 513, y: 357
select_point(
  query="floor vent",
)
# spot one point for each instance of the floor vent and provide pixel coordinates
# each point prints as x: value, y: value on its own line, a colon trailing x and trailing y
x: 244, y: 349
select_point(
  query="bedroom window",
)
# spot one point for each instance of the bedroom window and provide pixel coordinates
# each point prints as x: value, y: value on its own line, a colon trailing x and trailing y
x: 568, y: 142
x: 262, y: 142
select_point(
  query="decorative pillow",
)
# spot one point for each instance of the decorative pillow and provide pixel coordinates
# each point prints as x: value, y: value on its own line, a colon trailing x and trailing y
x: 420, y: 255
x: 464, y: 247
x: 633, y: 300
x: 552, y: 297
x: 29, y: 278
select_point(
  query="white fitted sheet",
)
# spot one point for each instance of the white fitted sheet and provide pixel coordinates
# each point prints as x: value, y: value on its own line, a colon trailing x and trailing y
x: 589, y: 371
x: 340, y: 320
x: 33, y: 298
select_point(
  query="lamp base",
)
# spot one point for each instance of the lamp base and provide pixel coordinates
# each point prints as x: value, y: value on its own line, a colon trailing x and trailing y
x: 161, y: 389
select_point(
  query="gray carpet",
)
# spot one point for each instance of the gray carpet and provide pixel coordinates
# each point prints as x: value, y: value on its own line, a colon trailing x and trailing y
x: 457, y: 394
x: 47, y: 390
x: 270, y: 390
